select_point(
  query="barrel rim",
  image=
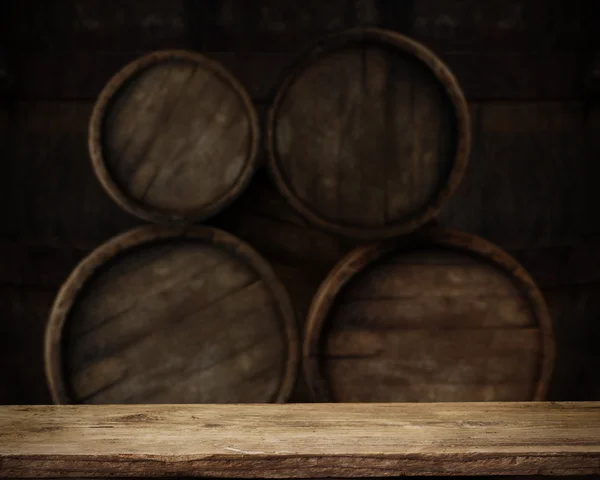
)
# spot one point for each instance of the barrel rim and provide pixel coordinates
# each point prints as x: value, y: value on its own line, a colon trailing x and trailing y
x: 91, y: 264
x: 436, y: 236
x: 454, y: 93
x: 96, y: 148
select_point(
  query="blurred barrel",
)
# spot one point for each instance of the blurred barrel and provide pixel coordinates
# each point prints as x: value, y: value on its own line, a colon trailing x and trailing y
x: 173, y: 137
x: 368, y: 135
x: 172, y: 315
x: 436, y: 316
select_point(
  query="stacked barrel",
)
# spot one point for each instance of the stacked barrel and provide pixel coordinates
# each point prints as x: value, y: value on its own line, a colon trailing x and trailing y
x: 173, y: 313
x: 366, y: 138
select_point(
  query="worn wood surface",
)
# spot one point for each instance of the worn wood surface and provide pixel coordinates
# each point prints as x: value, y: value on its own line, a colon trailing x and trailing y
x: 24, y: 308
x: 300, y: 441
x: 501, y: 196
x: 300, y: 253
x: 443, y: 316
x: 368, y: 135
x: 171, y: 316
x: 174, y: 137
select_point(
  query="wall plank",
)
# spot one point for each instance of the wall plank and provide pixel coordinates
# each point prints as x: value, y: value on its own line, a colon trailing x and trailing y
x: 495, y: 25
x: 272, y: 25
x: 576, y: 311
x: 54, y: 197
x: 523, y: 50
x: 530, y: 177
x: 37, y: 266
x: 51, y: 76
x: 563, y: 266
x: 23, y: 313
x: 98, y: 25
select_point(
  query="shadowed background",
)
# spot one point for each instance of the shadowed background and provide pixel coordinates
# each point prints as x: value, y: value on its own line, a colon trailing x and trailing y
x: 527, y: 69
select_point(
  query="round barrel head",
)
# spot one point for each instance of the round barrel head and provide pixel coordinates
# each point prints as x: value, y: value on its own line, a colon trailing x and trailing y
x: 368, y: 135
x: 172, y: 316
x: 446, y: 318
x: 174, y: 137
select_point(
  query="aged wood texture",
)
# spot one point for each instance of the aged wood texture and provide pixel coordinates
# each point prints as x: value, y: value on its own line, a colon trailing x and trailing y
x: 498, y: 49
x: 502, y: 196
x: 515, y: 49
x: 23, y: 314
x: 498, y: 75
x: 301, y: 254
x: 576, y: 311
x: 566, y: 266
x: 38, y: 271
x: 530, y: 180
x: 442, y: 316
x: 37, y: 266
x: 171, y: 316
x: 300, y: 441
x: 53, y: 197
x: 499, y: 25
x: 92, y: 25
x: 369, y: 135
x: 272, y: 26
x: 174, y: 137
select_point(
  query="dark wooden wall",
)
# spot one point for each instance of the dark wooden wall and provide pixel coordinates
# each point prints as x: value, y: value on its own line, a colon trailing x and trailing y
x: 527, y: 69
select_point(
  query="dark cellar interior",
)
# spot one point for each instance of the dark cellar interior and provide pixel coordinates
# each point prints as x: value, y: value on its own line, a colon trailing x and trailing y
x: 529, y: 70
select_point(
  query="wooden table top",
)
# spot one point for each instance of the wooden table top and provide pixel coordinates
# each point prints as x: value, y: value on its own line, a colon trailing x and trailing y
x: 300, y: 441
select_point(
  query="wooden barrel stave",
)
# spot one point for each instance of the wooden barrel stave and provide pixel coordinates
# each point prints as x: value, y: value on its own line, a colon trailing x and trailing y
x: 174, y: 137
x: 368, y: 135
x: 172, y: 315
x: 436, y: 316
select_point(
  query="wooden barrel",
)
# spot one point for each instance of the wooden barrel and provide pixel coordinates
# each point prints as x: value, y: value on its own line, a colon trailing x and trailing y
x: 368, y: 135
x: 173, y: 137
x: 172, y: 315
x: 436, y: 316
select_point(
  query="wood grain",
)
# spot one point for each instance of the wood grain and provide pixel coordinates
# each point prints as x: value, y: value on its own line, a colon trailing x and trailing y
x: 368, y: 135
x: 501, y: 196
x: 441, y: 316
x: 174, y: 137
x: 171, y: 316
x: 300, y: 441
x: 301, y: 254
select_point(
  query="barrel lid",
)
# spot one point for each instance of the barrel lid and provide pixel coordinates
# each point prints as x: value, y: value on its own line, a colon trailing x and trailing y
x: 436, y: 316
x: 172, y: 315
x: 368, y: 135
x: 174, y: 137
